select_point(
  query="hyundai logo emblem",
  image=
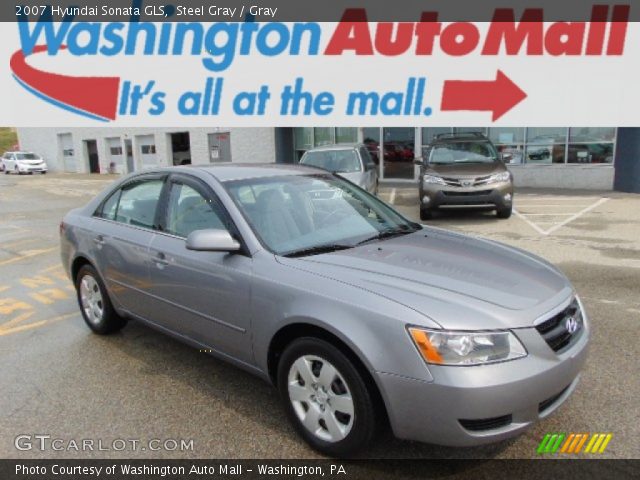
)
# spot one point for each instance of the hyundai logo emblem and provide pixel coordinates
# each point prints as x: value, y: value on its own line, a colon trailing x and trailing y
x: 572, y: 325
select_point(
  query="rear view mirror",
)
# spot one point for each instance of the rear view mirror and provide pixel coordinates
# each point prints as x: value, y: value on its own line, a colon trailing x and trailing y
x: 212, y: 241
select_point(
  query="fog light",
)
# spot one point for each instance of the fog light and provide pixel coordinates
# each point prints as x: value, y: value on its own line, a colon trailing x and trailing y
x: 426, y: 200
x: 507, y: 197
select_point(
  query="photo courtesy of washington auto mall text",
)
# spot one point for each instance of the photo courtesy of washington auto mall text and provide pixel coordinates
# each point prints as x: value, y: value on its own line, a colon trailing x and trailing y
x: 260, y: 240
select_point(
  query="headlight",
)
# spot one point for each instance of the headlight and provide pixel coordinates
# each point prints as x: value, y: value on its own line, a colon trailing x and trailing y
x: 444, y: 347
x: 499, y: 177
x: 433, y: 179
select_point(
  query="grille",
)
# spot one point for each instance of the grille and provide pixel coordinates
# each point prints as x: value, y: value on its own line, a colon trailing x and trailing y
x: 467, y: 194
x: 556, y: 331
x: 542, y: 406
x: 466, y: 182
x: 486, y: 423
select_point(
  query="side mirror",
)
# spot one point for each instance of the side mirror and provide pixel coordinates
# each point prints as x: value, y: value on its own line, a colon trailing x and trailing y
x: 212, y: 240
x: 506, y: 157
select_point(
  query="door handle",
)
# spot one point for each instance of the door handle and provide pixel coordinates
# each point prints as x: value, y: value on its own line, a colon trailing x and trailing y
x: 161, y: 260
x: 99, y: 241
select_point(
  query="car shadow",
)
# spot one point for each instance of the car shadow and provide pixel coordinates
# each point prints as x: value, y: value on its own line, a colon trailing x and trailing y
x: 250, y: 397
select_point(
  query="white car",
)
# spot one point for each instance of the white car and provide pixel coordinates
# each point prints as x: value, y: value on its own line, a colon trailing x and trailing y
x: 23, y: 162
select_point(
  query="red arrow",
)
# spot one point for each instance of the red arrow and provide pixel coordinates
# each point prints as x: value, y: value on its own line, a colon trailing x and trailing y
x: 498, y: 96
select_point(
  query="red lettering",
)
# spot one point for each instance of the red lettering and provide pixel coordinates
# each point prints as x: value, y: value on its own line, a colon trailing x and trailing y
x: 426, y: 31
x: 565, y: 38
x: 352, y: 33
x: 619, y: 22
x: 504, y: 29
x: 387, y: 45
x: 459, y: 38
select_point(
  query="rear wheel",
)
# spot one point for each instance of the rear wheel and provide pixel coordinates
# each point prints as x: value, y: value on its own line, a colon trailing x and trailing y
x: 326, y: 397
x: 94, y: 302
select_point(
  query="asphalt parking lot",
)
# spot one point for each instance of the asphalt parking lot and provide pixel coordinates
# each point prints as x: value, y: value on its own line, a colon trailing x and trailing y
x: 59, y: 379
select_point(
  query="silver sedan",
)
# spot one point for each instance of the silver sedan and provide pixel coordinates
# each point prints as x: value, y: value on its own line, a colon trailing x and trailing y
x: 360, y: 317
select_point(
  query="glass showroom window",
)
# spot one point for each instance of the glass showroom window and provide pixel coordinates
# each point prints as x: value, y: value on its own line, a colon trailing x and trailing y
x: 591, y: 145
x: 510, y: 143
x: 303, y: 139
x: 346, y: 135
x: 546, y: 145
x: 322, y: 136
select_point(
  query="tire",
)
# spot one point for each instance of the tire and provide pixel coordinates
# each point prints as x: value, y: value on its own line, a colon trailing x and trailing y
x: 504, y: 212
x: 426, y: 213
x: 43, y: 173
x: 338, y: 433
x: 94, y: 303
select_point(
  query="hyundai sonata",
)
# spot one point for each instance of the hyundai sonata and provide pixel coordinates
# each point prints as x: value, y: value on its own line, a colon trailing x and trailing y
x: 358, y: 315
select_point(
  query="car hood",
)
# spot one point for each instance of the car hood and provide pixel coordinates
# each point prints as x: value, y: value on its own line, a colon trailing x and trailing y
x: 465, y: 169
x: 354, y: 177
x: 456, y: 281
x: 30, y: 162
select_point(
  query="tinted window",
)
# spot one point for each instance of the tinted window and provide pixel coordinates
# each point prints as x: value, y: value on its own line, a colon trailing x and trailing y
x: 343, y: 161
x: 110, y: 207
x: 366, y: 158
x: 138, y: 203
x: 463, y: 152
x: 27, y: 156
x: 189, y: 211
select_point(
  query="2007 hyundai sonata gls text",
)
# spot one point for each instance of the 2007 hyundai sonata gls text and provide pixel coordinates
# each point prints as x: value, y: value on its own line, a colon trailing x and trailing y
x: 359, y: 316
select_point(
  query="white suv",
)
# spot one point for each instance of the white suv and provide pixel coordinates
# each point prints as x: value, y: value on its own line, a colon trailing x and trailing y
x: 23, y: 162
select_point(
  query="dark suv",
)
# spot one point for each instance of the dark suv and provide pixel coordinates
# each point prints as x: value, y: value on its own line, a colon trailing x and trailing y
x: 464, y: 170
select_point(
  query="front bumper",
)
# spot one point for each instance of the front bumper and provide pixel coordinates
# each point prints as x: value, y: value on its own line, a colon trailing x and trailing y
x: 493, y: 196
x: 494, y: 402
x: 32, y: 168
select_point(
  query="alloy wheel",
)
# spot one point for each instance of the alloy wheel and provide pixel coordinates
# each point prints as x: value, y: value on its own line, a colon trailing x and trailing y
x: 91, y: 298
x: 321, y: 398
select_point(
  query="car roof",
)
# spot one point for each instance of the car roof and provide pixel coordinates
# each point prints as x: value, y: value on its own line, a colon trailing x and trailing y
x: 242, y: 171
x: 337, y: 146
x: 459, y: 137
x: 18, y: 151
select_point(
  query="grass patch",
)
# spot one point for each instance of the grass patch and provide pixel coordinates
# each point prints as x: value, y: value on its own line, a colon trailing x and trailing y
x: 8, y: 138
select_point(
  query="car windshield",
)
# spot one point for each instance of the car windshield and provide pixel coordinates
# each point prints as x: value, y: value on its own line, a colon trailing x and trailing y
x: 299, y: 215
x: 463, y: 152
x: 27, y: 156
x: 342, y: 161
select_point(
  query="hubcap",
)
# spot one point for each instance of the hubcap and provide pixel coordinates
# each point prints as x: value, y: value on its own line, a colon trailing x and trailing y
x: 321, y: 398
x: 91, y: 299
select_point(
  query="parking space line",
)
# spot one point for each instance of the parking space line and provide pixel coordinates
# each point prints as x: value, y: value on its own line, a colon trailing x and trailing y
x: 31, y: 253
x: 392, y: 197
x: 38, y: 324
x: 524, y: 215
x: 578, y: 215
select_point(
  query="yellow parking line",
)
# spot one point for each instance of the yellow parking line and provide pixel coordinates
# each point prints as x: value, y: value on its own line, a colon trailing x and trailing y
x: 32, y: 253
x: 30, y: 326
x: 20, y: 318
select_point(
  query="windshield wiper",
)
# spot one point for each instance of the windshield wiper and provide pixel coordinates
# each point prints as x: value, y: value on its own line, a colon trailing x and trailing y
x: 303, y: 252
x: 389, y: 233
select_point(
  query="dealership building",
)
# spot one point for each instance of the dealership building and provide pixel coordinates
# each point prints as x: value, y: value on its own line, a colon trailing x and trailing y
x: 555, y: 157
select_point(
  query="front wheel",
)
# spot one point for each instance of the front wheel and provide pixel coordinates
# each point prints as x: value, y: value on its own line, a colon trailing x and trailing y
x: 95, y: 306
x: 426, y: 213
x: 326, y: 397
x: 504, y: 212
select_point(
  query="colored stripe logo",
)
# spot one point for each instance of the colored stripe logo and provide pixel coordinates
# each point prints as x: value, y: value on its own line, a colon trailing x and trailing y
x: 573, y: 443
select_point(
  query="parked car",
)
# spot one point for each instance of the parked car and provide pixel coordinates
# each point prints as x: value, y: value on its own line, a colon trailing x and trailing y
x: 350, y: 160
x: 358, y: 315
x: 23, y: 162
x: 464, y: 170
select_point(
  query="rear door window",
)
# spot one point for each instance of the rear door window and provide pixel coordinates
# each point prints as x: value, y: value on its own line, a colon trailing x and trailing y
x: 134, y: 204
